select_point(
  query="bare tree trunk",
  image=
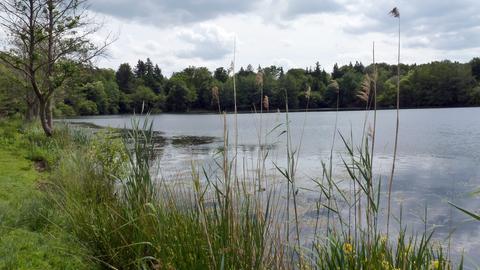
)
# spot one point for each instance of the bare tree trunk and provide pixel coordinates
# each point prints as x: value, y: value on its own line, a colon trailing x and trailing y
x: 32, y: 106
x: 36, y: 108
x: 50, y: 64
x: 43, y: 118
x: 49, y: 112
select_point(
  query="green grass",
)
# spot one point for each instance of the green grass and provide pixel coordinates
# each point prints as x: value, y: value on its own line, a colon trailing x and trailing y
x: 27, y: 239
x: 17, y: 178
x: 24, y: 249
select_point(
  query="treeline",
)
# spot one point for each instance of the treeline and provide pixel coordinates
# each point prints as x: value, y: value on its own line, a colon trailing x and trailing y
x: 143, y: 87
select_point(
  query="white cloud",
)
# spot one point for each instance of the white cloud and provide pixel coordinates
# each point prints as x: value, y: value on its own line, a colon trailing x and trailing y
x: 206, y: 41
x: 292, y: 33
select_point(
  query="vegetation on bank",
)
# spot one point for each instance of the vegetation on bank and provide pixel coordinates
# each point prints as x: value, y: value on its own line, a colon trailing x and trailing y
x: 96, y: 205
x: 29, y: 238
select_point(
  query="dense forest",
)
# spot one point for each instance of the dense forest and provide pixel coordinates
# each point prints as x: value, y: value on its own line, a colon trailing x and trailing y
x: 94, y: 91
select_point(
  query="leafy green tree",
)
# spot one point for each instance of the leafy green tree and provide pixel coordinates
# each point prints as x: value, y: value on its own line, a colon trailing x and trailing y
x: 159, y: 80
x: 95, y: 92
x: 111, y: 90
x: 387, y: 97
x: 337, y: 73
x: 332, y: 94
x: 124, y: 103
x: 317, y: 100
x: 349, y: 85
x: 247, y: 92
x: 149, y: 77
x: 12, y: 93
x: 140, y: 69
x: 179, y: 97
x: 295, y: 83
x: 359, y: 67
x: 125, y: 78
x: 46, y: 37
x: 143, y: 100
x: 440, y: 84
x: 221, y: 75
x: 474, y: 96
x: 475, y: 66
x: 87, y: 107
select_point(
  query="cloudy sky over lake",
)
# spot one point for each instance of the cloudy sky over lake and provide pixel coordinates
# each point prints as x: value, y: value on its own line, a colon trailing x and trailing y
x: 290, y: 33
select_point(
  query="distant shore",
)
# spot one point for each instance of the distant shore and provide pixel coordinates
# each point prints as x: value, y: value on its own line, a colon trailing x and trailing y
x: 272, y: 111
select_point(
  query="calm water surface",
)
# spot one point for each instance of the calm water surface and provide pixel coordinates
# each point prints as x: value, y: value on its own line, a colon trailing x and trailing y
x: 438, y: 156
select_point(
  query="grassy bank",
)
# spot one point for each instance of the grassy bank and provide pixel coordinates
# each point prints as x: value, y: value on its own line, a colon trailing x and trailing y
x: 27, y: 238
x: 95, y: 204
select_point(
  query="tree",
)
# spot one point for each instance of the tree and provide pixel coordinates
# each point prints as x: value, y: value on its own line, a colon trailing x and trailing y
x: 12, y: 92
x: 107, y: 77
x: 332, y: 94
x: 474, y: 96
x: 149, y: 77
x: 179, y: 96
x: 143, y: 99
x: 221, y: 74
x: 349, y: 85
x: 95, y: 92
x: 359, y: 67
x: 336, y: 72
x: 87, y: 107
x: 294, y: 83
x: 159, y: 79
x: 140, y: 69
x: 124, y: 77
x: 475, y: 65
x: 46, y: 36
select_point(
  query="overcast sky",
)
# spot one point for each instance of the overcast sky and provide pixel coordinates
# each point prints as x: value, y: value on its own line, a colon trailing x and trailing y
x: 290, y: 33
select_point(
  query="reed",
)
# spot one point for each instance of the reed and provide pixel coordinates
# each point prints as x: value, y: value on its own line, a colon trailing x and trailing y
x: 396, y: 14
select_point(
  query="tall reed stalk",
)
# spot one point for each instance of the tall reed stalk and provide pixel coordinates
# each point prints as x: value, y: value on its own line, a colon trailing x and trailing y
x: 235, y: 105
x: 375, y: 77
x: 335, y: 85
x: 396, y: 14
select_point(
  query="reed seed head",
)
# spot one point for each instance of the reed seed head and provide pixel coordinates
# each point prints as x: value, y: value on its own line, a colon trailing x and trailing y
x: 370, y: 131
x: 395, y: 12
x: 364, y: 92
x: 259, y: 79
x: 215, y: 95
x: 231, y: 68
x: 266, y: 104
x: 308, y: 92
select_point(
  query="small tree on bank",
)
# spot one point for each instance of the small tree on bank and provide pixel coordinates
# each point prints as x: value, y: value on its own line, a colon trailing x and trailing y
x: 45, y: 39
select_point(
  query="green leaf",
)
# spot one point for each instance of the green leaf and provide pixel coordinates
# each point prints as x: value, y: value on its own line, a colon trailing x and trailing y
x: 475, y: 216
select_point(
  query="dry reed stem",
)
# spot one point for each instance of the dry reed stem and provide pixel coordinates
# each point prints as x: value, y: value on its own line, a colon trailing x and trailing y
x: 395, y: 13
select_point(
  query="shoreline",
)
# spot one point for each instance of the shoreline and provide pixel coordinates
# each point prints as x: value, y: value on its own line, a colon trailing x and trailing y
x: 203, y: 112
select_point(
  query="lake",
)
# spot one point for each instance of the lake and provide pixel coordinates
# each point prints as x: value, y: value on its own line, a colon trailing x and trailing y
x: 438, y: 156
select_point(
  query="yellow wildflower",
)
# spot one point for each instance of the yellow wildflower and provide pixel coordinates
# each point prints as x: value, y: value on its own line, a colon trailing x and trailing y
x: 435, y: 264
x: 383, y: 240
x: 385, y: 265
x: 347, y: 248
